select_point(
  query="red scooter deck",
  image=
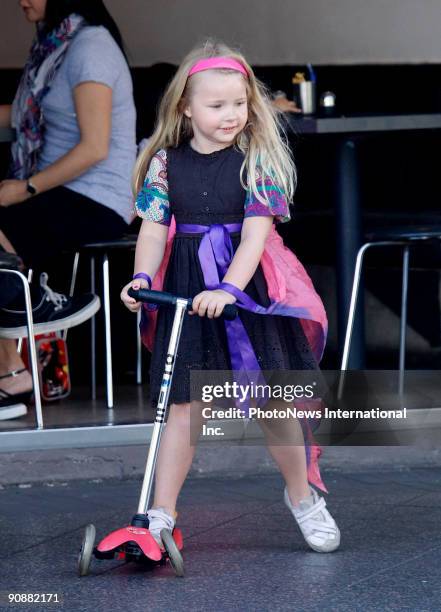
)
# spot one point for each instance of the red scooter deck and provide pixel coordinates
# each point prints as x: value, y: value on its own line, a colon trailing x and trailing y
x: 142, y: 537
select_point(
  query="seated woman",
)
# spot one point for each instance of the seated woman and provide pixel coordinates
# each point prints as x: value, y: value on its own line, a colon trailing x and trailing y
x: 69, y: 182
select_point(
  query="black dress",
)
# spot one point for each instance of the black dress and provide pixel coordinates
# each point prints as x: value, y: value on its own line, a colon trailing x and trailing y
x: 205, y: 189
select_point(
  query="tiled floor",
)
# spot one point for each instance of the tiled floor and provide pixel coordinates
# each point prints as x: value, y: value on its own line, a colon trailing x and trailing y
x: 131, y: 405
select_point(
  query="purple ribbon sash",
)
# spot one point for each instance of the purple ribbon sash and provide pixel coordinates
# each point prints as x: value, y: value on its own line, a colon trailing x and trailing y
x: 215, y: 256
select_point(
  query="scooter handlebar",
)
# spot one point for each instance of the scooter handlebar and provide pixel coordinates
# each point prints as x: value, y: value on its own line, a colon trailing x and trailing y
x: 162, y: 298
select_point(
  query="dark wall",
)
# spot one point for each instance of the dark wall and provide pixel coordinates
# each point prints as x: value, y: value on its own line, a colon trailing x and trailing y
x: 359, y: 89
x: 398, y: 173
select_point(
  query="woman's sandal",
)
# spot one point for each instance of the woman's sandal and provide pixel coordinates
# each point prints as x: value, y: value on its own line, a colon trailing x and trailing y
x: 7, y: 399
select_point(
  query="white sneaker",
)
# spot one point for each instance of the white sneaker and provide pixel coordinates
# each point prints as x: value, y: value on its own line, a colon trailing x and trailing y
x: 12, y: 411
x: 316, y: 524
x: 159, y: 519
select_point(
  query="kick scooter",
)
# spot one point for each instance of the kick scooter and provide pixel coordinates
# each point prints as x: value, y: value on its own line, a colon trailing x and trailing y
x: 135, y: 542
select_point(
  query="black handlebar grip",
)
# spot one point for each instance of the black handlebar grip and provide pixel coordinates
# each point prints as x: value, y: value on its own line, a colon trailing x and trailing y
x: 161, y: 298
x: 167, y: 299
x: 229, y: 312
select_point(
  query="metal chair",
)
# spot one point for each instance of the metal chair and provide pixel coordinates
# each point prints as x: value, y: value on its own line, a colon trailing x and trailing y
x: 403, y: 237
x: 92, y: 251
x: 31, y: 344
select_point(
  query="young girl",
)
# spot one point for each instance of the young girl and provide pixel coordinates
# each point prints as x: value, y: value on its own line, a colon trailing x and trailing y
x: 214, y: 177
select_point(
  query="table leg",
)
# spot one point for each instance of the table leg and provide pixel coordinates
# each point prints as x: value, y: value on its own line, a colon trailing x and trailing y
x: 349, y: 240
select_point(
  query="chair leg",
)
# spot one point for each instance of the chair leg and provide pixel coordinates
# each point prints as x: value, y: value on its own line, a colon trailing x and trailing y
x: 403, y: 319
x: 109, y: 374
x: 351, y: 317
x: 353, y: 304
x: 92, y: 334
x: 33, y: 357
x: 31, y: 346
x: 20, y: 340
x: 138, y: 350
x: 73, y: 281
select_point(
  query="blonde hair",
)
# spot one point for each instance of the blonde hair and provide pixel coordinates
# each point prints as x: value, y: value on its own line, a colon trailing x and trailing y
x: 263, y: 140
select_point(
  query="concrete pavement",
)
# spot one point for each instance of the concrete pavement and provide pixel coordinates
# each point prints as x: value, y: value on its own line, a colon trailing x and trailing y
x: 242, y: 548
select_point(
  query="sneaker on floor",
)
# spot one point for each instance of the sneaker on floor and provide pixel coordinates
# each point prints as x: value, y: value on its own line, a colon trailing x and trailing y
x: 316, y: 523
x: 159, y: 519
x: 12, y: 411
x: 51, y: 312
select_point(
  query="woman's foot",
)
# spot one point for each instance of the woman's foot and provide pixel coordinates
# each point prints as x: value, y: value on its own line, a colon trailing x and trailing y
x: 15, y: 387
x: 159, y: 519
x: 316, y: 523
x: 16, y: 381
x: 15, y: 392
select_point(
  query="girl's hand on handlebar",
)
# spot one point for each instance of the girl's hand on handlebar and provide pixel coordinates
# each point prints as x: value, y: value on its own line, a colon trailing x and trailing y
x: 129, y: 302
x: 211, y: 303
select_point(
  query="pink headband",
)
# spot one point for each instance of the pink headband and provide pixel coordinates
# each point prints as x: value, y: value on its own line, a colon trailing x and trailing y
x: 217, y: 62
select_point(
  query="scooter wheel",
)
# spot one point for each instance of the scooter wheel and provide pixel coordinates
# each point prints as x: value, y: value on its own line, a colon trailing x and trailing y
x: 86, y: 550
x: 173, y: 552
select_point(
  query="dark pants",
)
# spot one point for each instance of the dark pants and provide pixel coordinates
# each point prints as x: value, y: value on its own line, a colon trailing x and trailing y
x: 47, y: 224
x: 10, y: 284
x: 56, y: 221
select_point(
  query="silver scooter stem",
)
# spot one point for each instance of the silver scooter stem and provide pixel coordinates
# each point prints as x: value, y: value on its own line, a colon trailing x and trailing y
x: 181, y: 308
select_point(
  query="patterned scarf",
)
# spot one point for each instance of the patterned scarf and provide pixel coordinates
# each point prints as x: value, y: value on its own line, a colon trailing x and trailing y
x: 46, y: 56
